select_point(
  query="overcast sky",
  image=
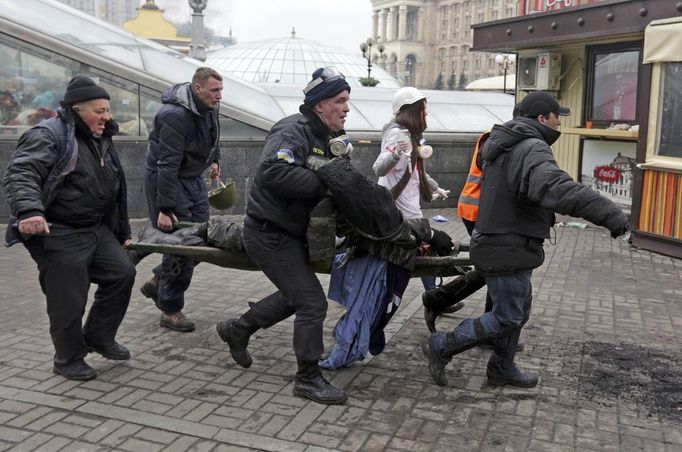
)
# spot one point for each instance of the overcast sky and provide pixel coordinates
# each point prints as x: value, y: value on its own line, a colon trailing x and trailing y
x: 342, y: 23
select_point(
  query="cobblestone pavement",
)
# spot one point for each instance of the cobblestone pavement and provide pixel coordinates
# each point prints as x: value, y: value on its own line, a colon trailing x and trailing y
x: 604, y: 334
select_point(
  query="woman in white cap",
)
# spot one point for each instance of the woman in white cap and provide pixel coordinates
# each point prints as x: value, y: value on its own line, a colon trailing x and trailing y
x: 400, y: 164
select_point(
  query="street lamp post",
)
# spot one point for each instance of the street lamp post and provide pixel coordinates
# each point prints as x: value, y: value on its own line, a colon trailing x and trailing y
x: 505, y: 60
x: 366, y: 48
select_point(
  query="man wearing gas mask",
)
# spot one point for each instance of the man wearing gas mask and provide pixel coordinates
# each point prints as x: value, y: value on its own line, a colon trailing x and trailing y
x: 284, y: 192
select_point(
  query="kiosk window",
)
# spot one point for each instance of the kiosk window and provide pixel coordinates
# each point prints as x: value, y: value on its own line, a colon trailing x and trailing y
x: 670, y: 128
x: 612, y: 84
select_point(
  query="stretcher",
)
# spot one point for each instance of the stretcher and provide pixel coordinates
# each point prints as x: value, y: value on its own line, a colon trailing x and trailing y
x: 455, y: 264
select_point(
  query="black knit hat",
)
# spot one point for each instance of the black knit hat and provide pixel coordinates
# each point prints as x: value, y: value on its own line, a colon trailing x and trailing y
x: 81, y: 89
x: 327, y: 82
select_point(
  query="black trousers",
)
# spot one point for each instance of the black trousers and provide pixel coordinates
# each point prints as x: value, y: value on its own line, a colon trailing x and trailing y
x: 284, y: 260
x: 69, y: 260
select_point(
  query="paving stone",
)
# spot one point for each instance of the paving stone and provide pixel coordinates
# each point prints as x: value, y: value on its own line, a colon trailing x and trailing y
x: 102, y: 430
x: 34, y: 442
x: 135, y: 445
x: 14, y: 435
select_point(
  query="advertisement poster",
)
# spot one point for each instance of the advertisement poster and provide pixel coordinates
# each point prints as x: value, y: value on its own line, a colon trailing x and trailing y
x: 539, y: 6
x: 607, y: 168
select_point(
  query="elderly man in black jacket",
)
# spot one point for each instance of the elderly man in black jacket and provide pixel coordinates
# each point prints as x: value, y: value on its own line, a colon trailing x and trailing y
x: 183, y: 143
x: 285, y: 190
x: 522, y: 188
x: 66, y: 188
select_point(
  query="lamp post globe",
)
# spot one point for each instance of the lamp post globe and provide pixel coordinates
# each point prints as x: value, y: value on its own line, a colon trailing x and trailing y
x: 505, y: 60
x: 366, y: 48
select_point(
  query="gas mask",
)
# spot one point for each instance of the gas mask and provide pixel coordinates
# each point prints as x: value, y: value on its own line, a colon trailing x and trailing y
x: 341, y: 146
x: 424, y: 150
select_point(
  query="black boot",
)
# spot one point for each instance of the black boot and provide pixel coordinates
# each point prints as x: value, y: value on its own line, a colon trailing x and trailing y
x: 501, y: 368
x: 448, y: 298
x: 75, y: 370
x: 111, y: 350
x: 236, y: 333
x: 440, y: 347
x: 310, y: 384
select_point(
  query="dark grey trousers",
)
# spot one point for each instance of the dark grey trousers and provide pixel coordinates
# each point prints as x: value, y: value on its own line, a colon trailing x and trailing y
x: 191, y: 204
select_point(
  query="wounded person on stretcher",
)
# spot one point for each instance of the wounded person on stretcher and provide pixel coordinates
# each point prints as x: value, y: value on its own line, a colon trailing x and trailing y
x: 368, y: 278
x: 357, y: 209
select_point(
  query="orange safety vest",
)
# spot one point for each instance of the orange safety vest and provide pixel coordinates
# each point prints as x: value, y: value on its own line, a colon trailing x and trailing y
x: 467, y: 206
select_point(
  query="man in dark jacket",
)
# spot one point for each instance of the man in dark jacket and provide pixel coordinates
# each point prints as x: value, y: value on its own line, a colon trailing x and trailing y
x: 284, y: 192
x: 66, y: 188
x: 522, y: 189
x: 183, y: 143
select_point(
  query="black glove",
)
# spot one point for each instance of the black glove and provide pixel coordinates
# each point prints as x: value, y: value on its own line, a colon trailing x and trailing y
x: 441, y: 243
x: 620, y: 231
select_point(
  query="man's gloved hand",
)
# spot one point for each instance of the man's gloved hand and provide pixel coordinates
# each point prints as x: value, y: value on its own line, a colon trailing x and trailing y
x: 440, y: 193
x: 620, y: 231
x: 315, y: 162
x: 441, y: 243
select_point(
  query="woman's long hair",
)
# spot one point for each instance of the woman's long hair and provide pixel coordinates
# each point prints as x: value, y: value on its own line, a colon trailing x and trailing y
x: 412, y: 118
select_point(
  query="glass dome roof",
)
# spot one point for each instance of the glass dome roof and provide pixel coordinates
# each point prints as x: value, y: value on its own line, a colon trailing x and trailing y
x: 292, y: 61
x: 112, y: 49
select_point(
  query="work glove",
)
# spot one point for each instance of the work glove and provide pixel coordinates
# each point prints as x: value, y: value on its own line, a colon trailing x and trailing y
x: 440, y: 193
x: 441, y: 243
x: 315, y: 162
x: 620, y: 231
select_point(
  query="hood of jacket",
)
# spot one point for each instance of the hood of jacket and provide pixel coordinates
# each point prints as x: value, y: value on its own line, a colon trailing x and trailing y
x: 180, y: 94
x: 389, y: 126
x: 504, y: 138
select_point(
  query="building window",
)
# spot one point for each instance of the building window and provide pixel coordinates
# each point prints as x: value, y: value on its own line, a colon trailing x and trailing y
x: 444, y: 23
x: 669, y: 140
x: 411, y: 26
x: 493, y: 15
x: 465, y: 65
x: 612, y: 84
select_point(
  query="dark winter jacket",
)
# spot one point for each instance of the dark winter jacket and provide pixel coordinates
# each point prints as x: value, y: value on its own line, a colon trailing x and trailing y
x: 523, y: 187
x: 285, y: 190
x: 183, y: 143
x: 45, y: 155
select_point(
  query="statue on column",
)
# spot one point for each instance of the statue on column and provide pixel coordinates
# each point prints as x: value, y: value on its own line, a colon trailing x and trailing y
x: 198, y: 6
x: 197, y: 48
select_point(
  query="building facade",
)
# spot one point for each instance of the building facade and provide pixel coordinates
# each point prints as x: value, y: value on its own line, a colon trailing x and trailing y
x: 427, y: 42
x: 113, y: 11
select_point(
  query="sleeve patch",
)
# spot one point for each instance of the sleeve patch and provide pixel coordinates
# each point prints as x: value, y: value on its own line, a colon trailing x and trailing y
x: 285, y: 154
